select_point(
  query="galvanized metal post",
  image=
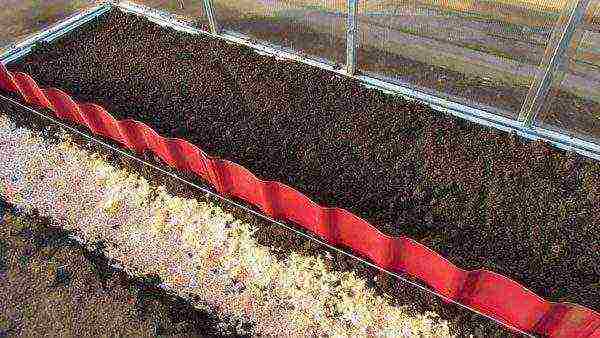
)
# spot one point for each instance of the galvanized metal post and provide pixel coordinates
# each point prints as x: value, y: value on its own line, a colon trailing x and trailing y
x: 210, y: 13
x: 351, y: 37
x: 553, y: 62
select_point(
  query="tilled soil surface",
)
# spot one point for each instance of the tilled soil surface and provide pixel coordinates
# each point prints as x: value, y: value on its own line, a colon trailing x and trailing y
x: 52, y: 285
x: 480, y: 197
x: 462, y: 321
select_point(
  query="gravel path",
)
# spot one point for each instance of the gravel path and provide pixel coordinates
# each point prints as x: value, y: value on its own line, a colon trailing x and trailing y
x: 479, y: 197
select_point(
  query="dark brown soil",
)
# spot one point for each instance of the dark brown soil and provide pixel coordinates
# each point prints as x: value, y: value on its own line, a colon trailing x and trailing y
x: 53, y: 285
x: 480, y: 197
x: 462, y: 321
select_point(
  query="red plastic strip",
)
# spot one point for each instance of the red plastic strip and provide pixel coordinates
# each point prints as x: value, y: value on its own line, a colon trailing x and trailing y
x: 485, y: 291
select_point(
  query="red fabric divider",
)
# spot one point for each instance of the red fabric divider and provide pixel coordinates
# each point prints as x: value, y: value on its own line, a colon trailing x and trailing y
x: 482, y: 290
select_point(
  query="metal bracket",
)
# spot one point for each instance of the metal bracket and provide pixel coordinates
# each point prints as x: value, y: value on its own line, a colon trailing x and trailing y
x: 560, y: 45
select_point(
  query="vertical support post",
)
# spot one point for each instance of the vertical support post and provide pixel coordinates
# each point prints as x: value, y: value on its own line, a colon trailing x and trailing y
x: 351, y: 37
x: 553, y: 62
x: 210, y: 13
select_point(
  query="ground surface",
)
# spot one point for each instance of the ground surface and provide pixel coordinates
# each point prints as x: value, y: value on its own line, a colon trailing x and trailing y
x: 29, y: 16
x: 462, y: 322
x: 53, y: 286
x: 479, y: 197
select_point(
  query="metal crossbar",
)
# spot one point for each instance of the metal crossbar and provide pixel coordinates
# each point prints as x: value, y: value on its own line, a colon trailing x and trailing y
x: 351, y: 37
x: 210, y: 14
x: 553, y: 61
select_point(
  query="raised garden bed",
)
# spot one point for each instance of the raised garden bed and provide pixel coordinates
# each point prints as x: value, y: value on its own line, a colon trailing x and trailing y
x: 92, y: 215
x: 480, y: 197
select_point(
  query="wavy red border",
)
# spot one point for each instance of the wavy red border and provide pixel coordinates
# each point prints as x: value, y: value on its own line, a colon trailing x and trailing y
x: 485, y: 291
